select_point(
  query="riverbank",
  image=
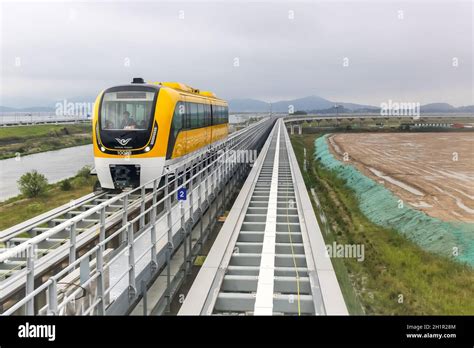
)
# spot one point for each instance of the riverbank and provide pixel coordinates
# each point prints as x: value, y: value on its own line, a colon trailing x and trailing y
x: 19, y: 208
x: 27, y: 140
x: 396, y: 276
x: 55, y: 165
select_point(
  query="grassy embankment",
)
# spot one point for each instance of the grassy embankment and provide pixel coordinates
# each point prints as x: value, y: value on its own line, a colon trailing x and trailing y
x: 26, y: 140
x: 18, y: 209
x: 397, y: 276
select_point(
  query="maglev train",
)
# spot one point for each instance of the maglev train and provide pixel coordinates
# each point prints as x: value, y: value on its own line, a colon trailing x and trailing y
x: 140, y: 128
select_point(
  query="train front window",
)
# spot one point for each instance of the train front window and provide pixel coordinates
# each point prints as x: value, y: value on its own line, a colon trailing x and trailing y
x: 130, y: 110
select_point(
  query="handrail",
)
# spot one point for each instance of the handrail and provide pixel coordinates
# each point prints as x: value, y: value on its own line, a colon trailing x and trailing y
x: 246, y: 135
x: 64, y: 225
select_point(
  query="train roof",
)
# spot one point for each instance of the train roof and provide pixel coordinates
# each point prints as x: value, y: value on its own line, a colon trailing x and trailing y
x: 177, y: 86
x: 181, y: 87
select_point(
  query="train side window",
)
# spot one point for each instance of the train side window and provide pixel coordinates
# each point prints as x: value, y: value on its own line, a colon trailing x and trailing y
x: 226, y: 114
x: 194, y: 115
x: 201, y: 120
x: 187, y: 116
x: 207, y: 115
x: 213, y: 110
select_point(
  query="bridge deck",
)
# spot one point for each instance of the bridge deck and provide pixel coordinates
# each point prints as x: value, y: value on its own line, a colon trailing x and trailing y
x: 269, y: 257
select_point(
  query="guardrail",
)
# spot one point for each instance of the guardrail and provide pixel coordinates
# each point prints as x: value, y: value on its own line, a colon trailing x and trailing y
x: 134, y: 246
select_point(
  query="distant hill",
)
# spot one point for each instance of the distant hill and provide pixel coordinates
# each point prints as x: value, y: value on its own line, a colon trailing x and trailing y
x: 248, y: 105
x: 311, y: 104
x: 306, y: 104
x: 467, y: 108
x: 437, y: 107
x: 315, y: 104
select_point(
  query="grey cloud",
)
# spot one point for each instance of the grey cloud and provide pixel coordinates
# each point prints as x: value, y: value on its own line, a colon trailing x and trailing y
x: 74, y: 49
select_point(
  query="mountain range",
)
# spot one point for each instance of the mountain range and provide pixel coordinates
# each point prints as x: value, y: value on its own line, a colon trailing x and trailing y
x: 315, y: 104
x: 308, y: 104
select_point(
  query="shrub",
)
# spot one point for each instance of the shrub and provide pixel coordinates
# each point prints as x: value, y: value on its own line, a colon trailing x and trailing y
x: 32, y: 184
x: 84, y: 172
x: 65, y: 185
x: 80, y: 181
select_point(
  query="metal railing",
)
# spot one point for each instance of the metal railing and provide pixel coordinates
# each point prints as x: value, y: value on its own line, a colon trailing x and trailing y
x: 131, y: 247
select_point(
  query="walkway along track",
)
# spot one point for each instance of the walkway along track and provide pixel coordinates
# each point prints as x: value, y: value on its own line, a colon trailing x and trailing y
x: 124, y: 250
x: 269, y: 257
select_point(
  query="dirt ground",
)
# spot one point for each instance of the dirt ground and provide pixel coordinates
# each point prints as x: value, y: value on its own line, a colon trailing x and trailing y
x: 433, y: 172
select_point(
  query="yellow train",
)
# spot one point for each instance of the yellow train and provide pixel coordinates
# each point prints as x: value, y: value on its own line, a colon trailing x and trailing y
x: 140, y: 128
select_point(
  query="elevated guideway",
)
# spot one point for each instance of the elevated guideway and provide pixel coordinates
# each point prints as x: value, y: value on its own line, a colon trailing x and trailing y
x: 269, y: 257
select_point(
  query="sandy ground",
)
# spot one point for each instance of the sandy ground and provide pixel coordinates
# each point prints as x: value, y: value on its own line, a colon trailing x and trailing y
x: 433, y: 172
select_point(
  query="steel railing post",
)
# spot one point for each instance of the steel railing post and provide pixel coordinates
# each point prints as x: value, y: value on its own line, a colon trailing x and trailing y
x: 72, y: 243
x: 123, y: 236
x: 169, y: 248
x: 102, y: 224
x: 154, y: 259
x: 100, y: 280
x: 142, y: 207
x: 52, y: 297
x: 131, y: 263
x: 30, y: 279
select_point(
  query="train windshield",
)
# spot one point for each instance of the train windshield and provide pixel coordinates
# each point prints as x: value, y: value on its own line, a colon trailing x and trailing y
x: 130, y: 110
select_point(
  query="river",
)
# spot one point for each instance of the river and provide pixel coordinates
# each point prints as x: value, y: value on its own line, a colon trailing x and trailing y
x: 55, y: 165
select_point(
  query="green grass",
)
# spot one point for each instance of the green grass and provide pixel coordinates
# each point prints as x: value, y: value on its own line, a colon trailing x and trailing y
x: 26, y: 140
x: 393, y: 265
x: 27, y: 132
x: 18, y: 209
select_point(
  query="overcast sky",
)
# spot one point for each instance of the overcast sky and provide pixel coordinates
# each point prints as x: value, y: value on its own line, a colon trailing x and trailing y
x: 403, y: 51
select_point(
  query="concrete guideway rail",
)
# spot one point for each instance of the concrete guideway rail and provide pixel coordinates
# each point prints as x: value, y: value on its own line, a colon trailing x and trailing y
x: 160, y: 224
x: 270, y: 256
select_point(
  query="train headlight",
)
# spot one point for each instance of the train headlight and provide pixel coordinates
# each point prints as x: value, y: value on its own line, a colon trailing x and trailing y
x: 102, y: 149
x: 147, y: 149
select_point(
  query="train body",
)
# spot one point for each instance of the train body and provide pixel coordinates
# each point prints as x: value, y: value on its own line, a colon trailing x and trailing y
x: 140, y: 128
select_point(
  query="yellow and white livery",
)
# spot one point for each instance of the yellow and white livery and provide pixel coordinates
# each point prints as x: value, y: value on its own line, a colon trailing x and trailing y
x: 140, y: 128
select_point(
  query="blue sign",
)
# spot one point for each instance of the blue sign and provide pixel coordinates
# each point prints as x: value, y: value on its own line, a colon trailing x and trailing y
x: 182, y: 194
